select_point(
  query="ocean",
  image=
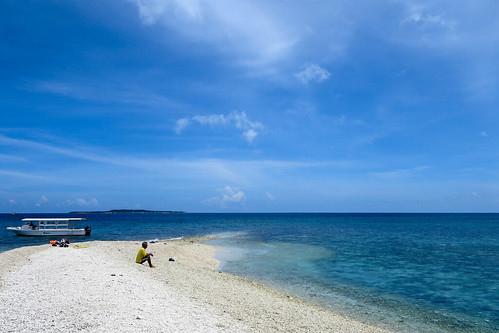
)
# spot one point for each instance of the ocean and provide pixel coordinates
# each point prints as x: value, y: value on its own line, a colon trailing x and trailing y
x: 410, y: 272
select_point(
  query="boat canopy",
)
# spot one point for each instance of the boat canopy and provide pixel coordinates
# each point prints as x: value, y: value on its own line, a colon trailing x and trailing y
x: 51, y: 219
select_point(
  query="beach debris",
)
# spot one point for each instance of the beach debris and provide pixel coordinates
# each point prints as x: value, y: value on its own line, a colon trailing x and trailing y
x: 155, y: 240
x: 113, y: 274
x: 62, y: 243
x: 81, y: 246
x: 171, y: 259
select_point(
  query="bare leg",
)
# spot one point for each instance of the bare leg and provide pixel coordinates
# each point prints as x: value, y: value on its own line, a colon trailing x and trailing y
x: 148, y: 259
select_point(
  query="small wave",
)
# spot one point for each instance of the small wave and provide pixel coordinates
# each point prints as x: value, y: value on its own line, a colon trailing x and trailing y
x: 228, y: 234
x: 175, y: 238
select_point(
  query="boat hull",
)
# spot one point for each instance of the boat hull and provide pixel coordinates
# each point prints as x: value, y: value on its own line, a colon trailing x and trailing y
x: 47, y: 232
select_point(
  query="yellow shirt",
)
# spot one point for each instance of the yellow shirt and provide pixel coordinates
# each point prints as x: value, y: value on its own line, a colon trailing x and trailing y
x: 140, y: 255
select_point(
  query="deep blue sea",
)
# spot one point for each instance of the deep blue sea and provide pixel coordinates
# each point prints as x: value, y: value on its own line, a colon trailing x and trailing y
x: 412, y: 272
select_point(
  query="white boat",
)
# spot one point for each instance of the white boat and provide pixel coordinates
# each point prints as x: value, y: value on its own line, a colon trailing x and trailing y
x: 50, y: 227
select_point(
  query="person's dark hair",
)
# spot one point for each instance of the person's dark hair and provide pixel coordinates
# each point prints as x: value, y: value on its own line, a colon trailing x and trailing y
x: 144, y: 244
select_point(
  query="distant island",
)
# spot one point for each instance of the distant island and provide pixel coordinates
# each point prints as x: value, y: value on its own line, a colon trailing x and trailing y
x: 129, y: 211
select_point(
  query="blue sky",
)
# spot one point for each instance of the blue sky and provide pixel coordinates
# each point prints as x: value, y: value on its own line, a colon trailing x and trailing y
x: 249, y: 106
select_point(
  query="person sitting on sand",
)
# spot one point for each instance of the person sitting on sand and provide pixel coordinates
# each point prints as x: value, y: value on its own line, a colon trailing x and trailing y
x: 143, y: 256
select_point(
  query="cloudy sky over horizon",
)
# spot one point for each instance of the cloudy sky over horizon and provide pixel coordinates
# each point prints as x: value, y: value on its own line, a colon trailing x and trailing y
x: 249, y: 106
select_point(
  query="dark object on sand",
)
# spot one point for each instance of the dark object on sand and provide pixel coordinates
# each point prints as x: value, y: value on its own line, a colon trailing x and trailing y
x: 62, y: 243
x: 171, y: 259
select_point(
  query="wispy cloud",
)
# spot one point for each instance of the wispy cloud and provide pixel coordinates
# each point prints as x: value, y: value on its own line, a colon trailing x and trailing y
x: 19, y: 174
x: 237, y: 171
x: 250, y: 129
x: 244, y: 29
x: 312, y: 73
x: 94, y: 154
x: 12, y: 158
x: 111, y: 92
x: 75, y: 153
x: 401, y: 173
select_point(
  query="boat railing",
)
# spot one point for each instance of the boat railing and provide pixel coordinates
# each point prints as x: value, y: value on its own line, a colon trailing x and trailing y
x: 63, y: 223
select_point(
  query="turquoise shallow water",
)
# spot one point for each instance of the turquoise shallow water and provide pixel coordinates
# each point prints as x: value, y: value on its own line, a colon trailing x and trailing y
x: 415, y: 272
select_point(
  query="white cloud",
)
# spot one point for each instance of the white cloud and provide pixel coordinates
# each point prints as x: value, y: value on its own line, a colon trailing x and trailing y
x: 42, y: 201
x: 465, y: 34
x: 151, y: 11
x: 250, y: 135
x: 232, y: 195
x: 212, y: 119
x: 432, y: 25
x: 181, y: 124
x: 421, y: 18
x: 275, y: 37
x: 228, y: 196
x: 239, y: 120
x: 83, y: 202
x: 312, y: 73
x: 269, y: 196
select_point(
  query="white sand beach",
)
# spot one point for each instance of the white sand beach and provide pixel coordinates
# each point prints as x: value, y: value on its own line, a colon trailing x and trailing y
x: 97, y: 286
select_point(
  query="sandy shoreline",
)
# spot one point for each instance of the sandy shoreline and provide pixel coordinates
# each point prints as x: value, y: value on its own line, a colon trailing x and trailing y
x: 97, y: 286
